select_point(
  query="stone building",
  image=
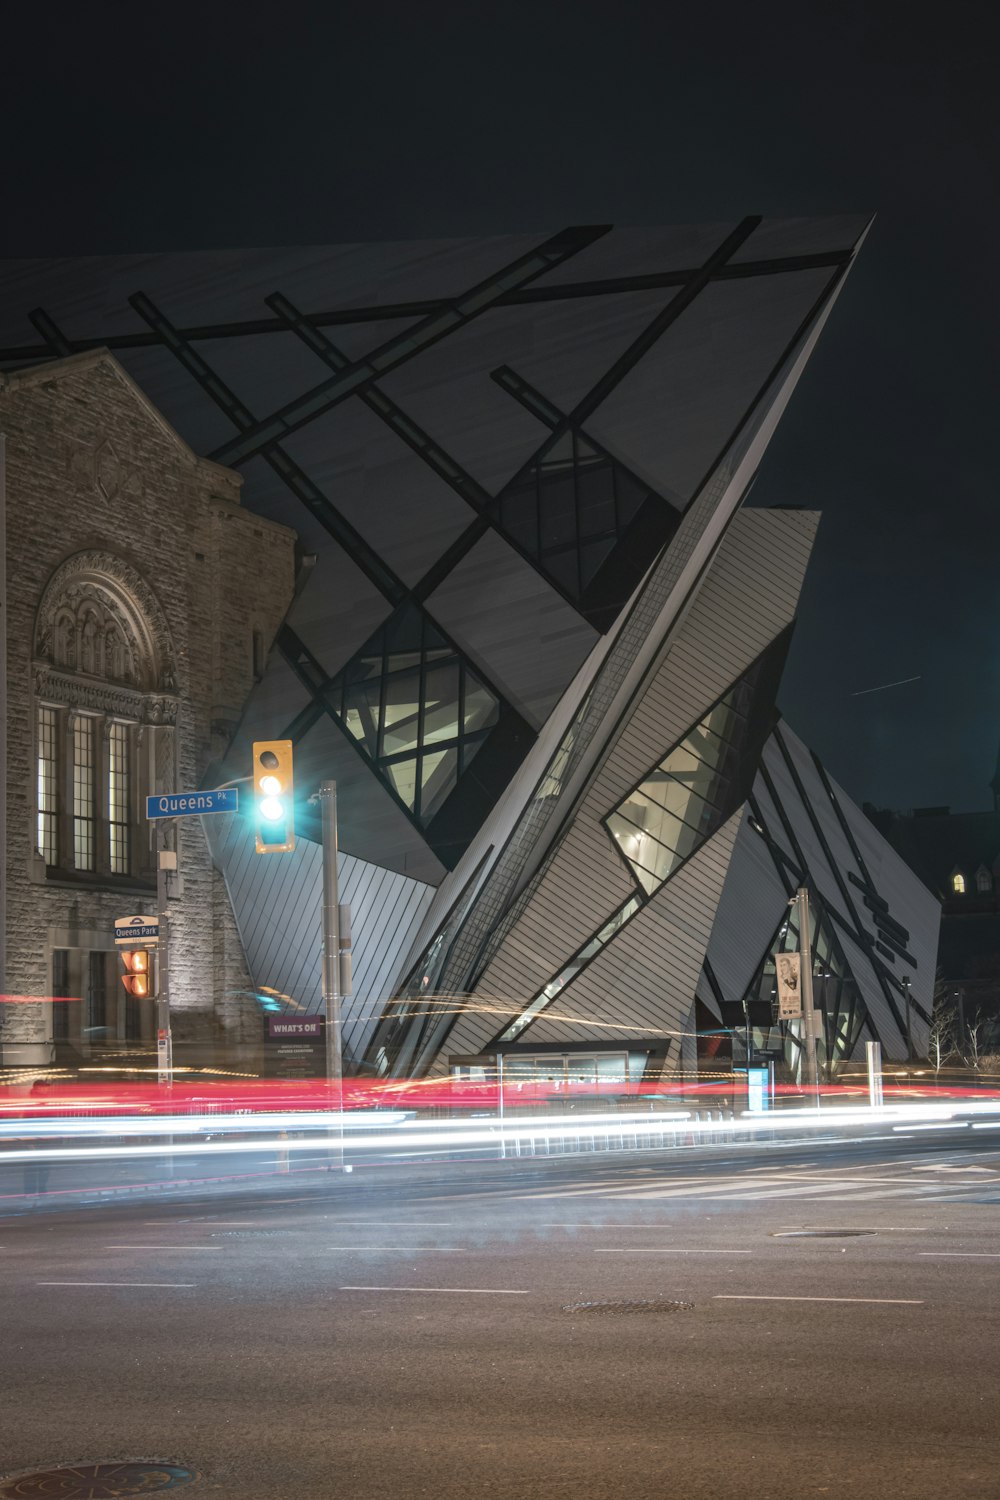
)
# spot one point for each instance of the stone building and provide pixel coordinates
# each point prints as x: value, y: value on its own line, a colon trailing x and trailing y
x: 140, y: 602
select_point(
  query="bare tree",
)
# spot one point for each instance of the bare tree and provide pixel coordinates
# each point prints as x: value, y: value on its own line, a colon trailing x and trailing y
x: 941, y: 1038
x: 975, y: 1038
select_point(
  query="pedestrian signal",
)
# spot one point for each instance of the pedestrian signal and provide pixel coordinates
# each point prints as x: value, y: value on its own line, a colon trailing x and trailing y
x: 139, y: 977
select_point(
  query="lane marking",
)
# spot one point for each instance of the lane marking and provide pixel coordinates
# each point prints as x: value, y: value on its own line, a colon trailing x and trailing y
x: 402, y: 1249
x: 748, y: 1297
x: 395, y: 1223
x: 960, y: 1254
x: 116, y: 1283
x: 477, y: 1291
x: 179, y: 1249
x: 661, y: 1250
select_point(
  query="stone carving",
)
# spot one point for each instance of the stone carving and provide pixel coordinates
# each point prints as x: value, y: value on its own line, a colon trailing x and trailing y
x: 98, y: 616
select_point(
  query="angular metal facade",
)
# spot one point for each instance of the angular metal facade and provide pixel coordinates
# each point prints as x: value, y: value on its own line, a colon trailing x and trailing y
x: 517, y: 468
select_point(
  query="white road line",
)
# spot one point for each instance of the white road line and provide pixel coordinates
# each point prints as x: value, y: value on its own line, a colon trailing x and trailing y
x: 661, y: 1250
x: 402, y: 1249
x: 477, y: 1291
x: 394, y: 1223
x: 179, y: 1249
x: 116, y: 1283
x: 960, y: 1254
x: 745, y: 1297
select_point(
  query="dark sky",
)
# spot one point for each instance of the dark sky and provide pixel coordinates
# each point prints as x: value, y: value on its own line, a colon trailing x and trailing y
x: 159, y: 127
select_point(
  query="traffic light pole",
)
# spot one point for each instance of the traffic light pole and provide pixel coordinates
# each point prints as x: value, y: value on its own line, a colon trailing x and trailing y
x: 164, y: 1041
x: 331, y: 954
x: 810, y: 1017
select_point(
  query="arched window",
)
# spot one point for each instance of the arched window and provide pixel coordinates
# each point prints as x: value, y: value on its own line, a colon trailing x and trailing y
x: 958, y: 884
x: 104, y: 714
x: 984, y: 881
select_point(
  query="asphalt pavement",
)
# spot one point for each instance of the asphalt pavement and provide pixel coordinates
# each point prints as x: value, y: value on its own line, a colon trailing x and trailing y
x: 657, y: 1324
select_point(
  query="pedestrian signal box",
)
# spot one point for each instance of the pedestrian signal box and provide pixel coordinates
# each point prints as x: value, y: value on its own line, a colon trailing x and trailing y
x: 139, y: 977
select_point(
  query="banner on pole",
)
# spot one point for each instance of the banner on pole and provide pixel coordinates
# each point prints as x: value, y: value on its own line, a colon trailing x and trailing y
x: 788, y: 969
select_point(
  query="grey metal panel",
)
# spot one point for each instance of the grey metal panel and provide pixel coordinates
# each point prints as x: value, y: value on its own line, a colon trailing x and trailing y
x: 747, y: 597
x: 751, y: 906
x: 672, y: 416
x: 277, y: 903
x: 889, y: 1031
x: 643, y: 983
x: 776, y: 237
x: 405, y: 511
x: 494, y: 602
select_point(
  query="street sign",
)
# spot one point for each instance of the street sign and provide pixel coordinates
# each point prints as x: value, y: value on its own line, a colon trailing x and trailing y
x: 294, y: 1026
x: 132, y: 932
x: 189, y: 804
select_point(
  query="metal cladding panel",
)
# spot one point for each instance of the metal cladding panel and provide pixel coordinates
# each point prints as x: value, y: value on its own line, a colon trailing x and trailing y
x: 277, y: 903
x: 673, y: 414
x: 776, y: 237
x: 562, y: 348
x: 747, y: 597
x: 643, y: 983
x: 501, y: 611
x: 752, y: 904
x: 889, y: 1031
x: 365, y: 469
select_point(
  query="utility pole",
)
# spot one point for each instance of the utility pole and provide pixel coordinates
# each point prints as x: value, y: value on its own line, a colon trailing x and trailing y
x: 810, y: 1017
x: 336, y: 958
x: 165, y: 859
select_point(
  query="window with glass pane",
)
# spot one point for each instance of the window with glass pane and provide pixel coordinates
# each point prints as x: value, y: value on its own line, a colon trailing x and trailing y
x: 48, y: 786
x: 118, y: 798
x: 60, y: 994
x: 687, y: 797
x: 97, y: 990
x: 83, y: 793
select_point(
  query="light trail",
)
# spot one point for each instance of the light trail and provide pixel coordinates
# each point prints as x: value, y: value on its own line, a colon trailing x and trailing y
x: 402, y: 1135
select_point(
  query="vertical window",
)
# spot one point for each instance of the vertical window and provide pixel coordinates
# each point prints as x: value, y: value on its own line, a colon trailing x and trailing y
x: 97, y: 991
x: 83, y: 793
x: 958, y: 884
x: 60, y: 993
x: 118, y: 798
x: 257, y: 654
x: 48, y: 784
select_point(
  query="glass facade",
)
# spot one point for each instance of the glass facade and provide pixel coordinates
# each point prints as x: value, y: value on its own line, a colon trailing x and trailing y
x: 416, y: 708
x: 568, y: 510
x: 688, y: 796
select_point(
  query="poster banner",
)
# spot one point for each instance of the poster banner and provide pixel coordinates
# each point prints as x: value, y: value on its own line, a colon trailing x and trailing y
x: 787, y: 967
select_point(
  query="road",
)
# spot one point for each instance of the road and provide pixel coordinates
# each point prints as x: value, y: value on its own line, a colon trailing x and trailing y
x: 406, y: 1333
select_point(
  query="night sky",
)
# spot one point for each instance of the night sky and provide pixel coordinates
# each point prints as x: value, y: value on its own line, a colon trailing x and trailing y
x: 164, y: 128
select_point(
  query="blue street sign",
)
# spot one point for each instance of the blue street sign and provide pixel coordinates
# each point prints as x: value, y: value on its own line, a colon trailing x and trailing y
x: 189, y: 804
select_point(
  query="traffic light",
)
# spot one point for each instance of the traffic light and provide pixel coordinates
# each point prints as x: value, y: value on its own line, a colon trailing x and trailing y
x: 274, y: 812
x: 139, y: 977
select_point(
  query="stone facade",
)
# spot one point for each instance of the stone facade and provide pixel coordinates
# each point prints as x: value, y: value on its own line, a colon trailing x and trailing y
x: 139, y: 595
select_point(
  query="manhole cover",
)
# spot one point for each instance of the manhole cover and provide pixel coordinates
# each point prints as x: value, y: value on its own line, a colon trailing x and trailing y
x: 651, y: 1305
x: 99, y: 1481
x: 820, y: 1234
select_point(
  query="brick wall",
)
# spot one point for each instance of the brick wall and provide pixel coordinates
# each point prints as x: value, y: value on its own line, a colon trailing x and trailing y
x: 92, y: 466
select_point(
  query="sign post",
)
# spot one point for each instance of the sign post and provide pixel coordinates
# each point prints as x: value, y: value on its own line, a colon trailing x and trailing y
x: 158, y: 808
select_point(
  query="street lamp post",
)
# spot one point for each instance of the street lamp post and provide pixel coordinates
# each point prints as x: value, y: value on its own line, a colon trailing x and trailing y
x: 809, y: 1015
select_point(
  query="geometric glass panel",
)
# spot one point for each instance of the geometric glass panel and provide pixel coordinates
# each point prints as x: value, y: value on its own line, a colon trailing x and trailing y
x: 415, y: 707
x: 689, y: 795
x: 568, y: 510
